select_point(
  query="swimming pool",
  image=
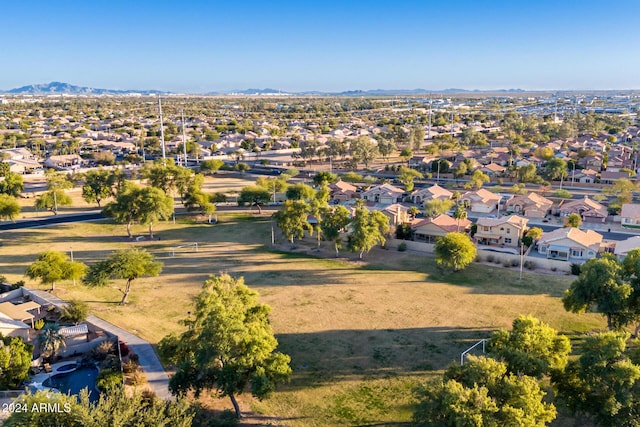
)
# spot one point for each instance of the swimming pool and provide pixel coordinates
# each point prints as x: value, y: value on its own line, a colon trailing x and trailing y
x: 74, y: 382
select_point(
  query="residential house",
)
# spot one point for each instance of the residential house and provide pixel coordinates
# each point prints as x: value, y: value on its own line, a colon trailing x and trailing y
x: 481, y: 201
x: 434, y: 192
x: 505, y: 231
x: 585, y: 176
x: 589, y: 210
x: 343, y: 191
x: 429, y: 229
x: 623, y: 247
x: 531, y: 205
x: 385, y: 194
x: 608, y: 177
x: 397, y: 214
x: 570, y: 244
x: 64, y: 161
x: 630, y: 215
x: 493, y: 169
x: 420, y: 162
x: 13, y: 328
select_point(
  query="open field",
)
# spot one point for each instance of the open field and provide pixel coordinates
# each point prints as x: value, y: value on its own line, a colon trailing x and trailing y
x: 360, y: 334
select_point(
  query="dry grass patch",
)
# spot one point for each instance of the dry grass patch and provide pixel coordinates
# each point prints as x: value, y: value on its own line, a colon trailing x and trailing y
x: 360, y: 335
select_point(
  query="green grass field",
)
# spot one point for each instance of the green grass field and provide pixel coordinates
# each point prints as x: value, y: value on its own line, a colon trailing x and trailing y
x: 360, y: 334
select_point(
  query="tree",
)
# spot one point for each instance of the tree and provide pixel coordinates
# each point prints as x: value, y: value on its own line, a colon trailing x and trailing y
x: 324, y: 177
x: 573, y: 220
x: 126, y: 265
x: 477, y: 180
x: 555, y: 169
x: 416, y: 137
x: 15, y: 361
x: 562, y: 194
x: 368, y: 229
x: 459, y: 213
x: 145, y: 205
x: 58, y: 180
x: 406, y: 154
x: 75, y: 311
x: 334, y: 220
x: 115, y: 407
x: 12, y: 184
x: 531, y: 348
x: 194, y: 199
x: 228, y: 346
x: 601, y: 284
x: 460, y: 170
x: 9, y: 207
x: 386, y: 147
x: 455, y: 250
x: 50, y: 340
x: 52, y: 266
x: 254, y: 196
x: 100, y: 184
x: 363, y: 150
x: 532, y: 235
x: 603, y: 383
x: 482, y: 393
x: 292, y: 219
x: 300, y: 192
x: 435, y: 207
x: 52, y: 199
x: 166, y: 176
x: 210, y: 166
x: 407, y: 175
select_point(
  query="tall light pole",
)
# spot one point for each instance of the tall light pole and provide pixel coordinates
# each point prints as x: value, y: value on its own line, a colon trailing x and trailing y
x: 184, y: 140
x: 164, y: 154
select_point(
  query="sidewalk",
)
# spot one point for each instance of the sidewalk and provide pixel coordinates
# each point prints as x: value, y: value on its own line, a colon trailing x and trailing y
x: 149, y: 362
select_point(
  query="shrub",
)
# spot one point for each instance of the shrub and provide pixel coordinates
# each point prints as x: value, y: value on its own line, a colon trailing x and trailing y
x: 109, y: 379
x: 497, y: 261
x: 515, y: 263
x: 110, y: 362
x: 402, y: 247
x: 134, y: 358
x: 124, y: 349
x: 75, y: 312
x: 490, y: 258
x: 554, y: 268
x: 530, y: 265
x: 130, y: 367
x: 137, y: 378
x: 575, y: 269
x: 506, y: 263
x: 38, y: 324
x: 102, y: 350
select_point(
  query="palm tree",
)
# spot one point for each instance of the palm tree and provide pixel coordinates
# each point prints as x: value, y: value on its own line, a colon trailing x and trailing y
x: 50, y: 340
x: 459, y: 213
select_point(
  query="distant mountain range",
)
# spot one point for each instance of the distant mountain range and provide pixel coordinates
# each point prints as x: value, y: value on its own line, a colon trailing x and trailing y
x: 68, y: 89
x: 54, y: 88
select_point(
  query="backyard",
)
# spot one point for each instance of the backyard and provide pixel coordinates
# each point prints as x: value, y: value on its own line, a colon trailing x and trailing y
x: 360, y: 334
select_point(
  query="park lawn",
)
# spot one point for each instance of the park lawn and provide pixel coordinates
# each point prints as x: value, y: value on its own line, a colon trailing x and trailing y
x: 360, y: 334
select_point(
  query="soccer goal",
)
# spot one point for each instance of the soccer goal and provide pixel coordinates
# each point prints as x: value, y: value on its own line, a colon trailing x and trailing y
x: 186, y: 245
x: 482, y: 342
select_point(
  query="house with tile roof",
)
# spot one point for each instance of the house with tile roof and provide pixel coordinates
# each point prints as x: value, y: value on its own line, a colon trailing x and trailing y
x: 623, y: 247
x: 429, y: 229
x: 589, y: 210
x: 570, y: 244
x: 505, y: 231
x: 385, y: 194
x: 423, y: 195
x: 531, y: 205
x: 481, y: 201
x: 630, y: 215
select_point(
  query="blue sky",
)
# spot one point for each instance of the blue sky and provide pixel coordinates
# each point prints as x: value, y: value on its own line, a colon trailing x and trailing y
x: 200, y: 46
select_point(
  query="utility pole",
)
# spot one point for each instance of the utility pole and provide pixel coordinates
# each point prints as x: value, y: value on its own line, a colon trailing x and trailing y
x: 184, y: 140
x: 429, y: 127
x: 164, y: 154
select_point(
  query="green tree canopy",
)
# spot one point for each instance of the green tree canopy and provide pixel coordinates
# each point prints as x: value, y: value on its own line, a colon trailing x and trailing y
x: 335, y: 220
x: 12, y: 184
x: 228, y: 346
x: 368, y: 229
x: 573, y: 220
x: 101, y: 184
x: 300, y: 192
x: 407, y: 176
x: 483, y: 393
x: 455, y: 250
x: 15, y: 361
x: 126, y: 265
x: 53, y: 266
x: 9, y: 207
x: 292, y: 219
x: 435, y: 207
x: 531, y: 348
x: 210, y: 166
x: 363, y: 149
x: 254, y: 196
x: 52, y: 199
x: 324, y: 177
x: 477, y: 180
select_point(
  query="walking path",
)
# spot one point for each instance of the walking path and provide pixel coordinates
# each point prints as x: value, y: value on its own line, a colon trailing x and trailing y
x: 149, y: 362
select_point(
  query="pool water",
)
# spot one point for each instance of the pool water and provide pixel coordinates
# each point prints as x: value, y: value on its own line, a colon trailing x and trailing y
x: 74, y: 382
x: 69, y: 367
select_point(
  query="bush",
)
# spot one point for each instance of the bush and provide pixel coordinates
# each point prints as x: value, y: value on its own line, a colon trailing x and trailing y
x: 111, y: 362
x: 530, y: 265
x: 402, y: 247
x: 38, y: 324
x: 109, y: 379
x: 130, y: 367
x: 506, y: 263
x: 75, y: 312
x: 490, y: 258
x: 497, y: 261
x: 137, y: 378
x: 102, y: 350
x: 515, y: 263
x: 575, y: 269
x: 134, y: 358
